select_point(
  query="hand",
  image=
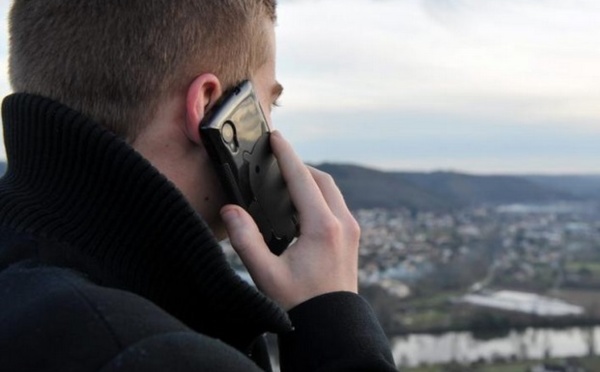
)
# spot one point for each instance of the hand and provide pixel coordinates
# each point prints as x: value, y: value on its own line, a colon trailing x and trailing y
x: 323, y: 259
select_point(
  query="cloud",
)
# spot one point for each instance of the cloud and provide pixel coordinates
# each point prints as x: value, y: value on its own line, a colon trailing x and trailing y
x: 497, y: 86
x: 429, y: 141
x: 531, y: 59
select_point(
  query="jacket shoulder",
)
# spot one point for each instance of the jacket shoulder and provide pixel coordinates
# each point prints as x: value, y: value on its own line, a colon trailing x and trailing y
x: 55, y: 316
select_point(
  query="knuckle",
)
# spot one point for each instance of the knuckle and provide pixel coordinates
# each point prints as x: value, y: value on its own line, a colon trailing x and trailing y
x: 333, y: 231
x: 242, y: 240
x: 328, y: 179
x: 323, y: 176
x: 354, y: 229
x: 330, y: 229
x: 327, y: 176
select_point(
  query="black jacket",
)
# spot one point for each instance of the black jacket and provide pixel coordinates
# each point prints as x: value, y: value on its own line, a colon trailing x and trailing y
x: 104, y: 266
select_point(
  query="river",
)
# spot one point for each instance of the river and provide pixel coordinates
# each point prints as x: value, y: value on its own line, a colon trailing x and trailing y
x: 424, y: 349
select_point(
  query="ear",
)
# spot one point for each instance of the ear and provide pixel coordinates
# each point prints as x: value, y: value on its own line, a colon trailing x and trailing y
x: 202, y: 94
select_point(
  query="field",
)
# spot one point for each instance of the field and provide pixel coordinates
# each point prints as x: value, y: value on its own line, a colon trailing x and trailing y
x: 588, y: 299
x: 589, y: 364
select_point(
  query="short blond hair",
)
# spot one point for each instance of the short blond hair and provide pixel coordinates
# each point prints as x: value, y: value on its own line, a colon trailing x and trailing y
x: 114, y: 60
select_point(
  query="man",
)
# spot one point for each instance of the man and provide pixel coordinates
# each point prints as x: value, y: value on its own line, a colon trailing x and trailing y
x: 110, y: 211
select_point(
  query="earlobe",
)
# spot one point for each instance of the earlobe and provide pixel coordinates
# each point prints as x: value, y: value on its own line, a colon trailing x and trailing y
x: 202, y: 93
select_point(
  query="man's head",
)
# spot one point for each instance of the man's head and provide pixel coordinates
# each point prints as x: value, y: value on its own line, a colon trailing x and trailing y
x: 149, y: 70
x: 115, y: 60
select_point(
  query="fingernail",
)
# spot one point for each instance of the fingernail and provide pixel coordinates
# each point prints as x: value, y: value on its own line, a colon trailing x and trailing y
x: 230, y: 214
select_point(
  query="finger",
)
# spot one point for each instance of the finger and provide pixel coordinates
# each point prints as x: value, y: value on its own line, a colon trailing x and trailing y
x: 331, y: 192
x: 304, y: 191
x: 336, y: 202
x: 246, y: 240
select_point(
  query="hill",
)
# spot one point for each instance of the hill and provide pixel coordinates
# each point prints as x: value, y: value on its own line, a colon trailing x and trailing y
x: 587, y: 187
x: 368, y: 188
x: 473, y: 189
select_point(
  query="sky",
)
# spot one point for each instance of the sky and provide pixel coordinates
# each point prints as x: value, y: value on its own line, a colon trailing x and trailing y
x: 477, y: 86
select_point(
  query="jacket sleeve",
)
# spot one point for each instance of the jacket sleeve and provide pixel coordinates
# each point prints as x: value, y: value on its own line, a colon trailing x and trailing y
x: 335, y: 332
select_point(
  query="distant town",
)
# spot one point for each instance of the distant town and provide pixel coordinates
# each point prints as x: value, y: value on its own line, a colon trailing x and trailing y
x: 473, y: 256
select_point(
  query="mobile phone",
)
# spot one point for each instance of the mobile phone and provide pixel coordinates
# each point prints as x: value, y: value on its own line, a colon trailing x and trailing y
x: 237, y: 138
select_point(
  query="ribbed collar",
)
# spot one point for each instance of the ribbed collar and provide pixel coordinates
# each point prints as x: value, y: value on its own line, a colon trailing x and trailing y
x: 73, y: 182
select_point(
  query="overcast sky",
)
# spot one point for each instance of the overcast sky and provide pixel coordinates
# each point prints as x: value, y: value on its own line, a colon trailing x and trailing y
x: 482, y: 86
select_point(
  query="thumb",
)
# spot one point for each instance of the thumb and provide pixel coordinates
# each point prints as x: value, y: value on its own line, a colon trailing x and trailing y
x: 246, y: 240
